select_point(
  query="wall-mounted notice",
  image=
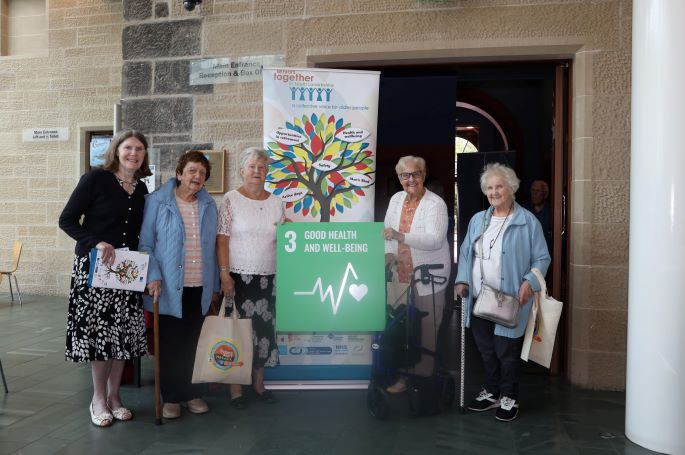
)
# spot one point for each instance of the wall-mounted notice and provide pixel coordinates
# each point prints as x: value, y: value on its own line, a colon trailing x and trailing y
x: 239, y: 69
x: 45, y: 134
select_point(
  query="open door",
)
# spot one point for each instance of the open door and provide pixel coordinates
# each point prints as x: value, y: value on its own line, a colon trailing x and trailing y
x: 416, y: 116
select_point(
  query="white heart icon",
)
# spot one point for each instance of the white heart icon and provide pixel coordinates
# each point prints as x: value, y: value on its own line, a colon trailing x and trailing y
x: 358, y: 292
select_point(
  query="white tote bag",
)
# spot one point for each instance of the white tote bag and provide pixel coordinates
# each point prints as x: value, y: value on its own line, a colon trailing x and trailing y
x: 224, y: 350
x: 538, y: 341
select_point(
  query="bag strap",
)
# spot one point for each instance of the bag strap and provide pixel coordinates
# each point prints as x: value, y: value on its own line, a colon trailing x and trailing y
x: 224, y: 304
x: 541, y: 280
x: 482, y: 252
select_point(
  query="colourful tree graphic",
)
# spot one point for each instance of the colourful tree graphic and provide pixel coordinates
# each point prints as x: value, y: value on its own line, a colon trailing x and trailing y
x: 126, y: 271
x: 319, y: 165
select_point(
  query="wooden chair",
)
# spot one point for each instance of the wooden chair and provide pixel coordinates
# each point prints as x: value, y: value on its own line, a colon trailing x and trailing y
x: 16, y: 254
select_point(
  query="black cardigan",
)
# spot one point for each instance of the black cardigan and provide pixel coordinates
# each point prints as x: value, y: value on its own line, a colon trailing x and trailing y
x: 109, y: 213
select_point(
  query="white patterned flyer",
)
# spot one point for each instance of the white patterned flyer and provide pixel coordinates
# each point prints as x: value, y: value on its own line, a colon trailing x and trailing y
x: 128, y: 272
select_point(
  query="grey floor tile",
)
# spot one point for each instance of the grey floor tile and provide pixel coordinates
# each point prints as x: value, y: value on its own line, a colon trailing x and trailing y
x: 46, y: 412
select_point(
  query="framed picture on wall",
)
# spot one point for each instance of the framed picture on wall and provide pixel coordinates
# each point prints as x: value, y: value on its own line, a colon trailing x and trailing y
x: 97, y: 143
x: 215, y: 184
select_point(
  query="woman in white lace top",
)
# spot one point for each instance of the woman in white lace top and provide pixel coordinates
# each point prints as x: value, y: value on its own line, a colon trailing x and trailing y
x: 246, y: 251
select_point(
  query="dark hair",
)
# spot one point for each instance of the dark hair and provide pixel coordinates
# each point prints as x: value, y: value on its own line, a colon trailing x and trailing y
x: 195, y: 156
x: 112, y: 153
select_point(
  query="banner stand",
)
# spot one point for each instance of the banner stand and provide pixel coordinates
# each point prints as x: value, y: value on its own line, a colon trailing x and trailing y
x: 320, y: 132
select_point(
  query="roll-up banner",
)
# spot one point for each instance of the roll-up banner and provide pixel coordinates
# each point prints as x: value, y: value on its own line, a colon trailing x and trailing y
x: 320, y: 133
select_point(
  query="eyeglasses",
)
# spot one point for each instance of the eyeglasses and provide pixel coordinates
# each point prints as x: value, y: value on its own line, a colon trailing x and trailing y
x: 407, y: 175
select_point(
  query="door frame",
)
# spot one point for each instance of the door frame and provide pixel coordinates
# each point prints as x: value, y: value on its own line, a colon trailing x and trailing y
x: 560, y: 191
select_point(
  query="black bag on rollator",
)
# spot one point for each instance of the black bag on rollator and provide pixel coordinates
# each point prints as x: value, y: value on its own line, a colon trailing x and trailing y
x: 400, y: 346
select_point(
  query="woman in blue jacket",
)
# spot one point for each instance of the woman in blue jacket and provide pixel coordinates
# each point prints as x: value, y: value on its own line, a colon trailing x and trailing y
x: 179, y: 233
x: 513, y: 244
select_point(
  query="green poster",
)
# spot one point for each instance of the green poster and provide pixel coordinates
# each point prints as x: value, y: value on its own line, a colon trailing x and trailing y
x: 330, y: 277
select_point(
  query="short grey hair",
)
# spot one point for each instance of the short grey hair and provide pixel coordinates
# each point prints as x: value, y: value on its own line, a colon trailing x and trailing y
x: 402, y: 163
x: 503, y: 171
x: 251, y: 153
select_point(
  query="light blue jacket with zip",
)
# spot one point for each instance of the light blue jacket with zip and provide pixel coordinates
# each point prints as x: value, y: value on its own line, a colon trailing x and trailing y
x: 523, y: 248
x: 162, y: 236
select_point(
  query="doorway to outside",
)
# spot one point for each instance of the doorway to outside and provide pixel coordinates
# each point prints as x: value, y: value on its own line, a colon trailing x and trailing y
x: 459, y: 117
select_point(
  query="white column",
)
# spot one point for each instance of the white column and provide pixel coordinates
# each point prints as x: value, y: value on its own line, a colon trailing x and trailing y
x: 655, y: 379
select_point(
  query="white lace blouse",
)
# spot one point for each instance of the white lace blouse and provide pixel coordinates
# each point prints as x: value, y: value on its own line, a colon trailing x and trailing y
x: 251, y: 227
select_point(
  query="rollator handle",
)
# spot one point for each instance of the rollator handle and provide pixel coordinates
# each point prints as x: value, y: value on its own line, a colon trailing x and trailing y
x: 426, y: 277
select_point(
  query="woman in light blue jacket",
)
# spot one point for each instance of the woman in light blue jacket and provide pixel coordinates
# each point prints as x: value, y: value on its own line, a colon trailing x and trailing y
x: 179, y: 233
x: 513, y: 244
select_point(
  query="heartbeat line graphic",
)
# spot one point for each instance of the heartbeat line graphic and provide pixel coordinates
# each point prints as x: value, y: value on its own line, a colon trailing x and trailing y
x: 358, y: 292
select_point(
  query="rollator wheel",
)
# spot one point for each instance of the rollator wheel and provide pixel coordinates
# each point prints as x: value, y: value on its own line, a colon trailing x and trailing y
x: 447, y: 394
x: 376, y: 402
x: 415, y: 400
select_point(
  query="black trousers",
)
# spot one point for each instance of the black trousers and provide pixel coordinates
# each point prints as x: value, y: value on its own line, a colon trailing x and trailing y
x: 501, y: 358
x: 177, y: 344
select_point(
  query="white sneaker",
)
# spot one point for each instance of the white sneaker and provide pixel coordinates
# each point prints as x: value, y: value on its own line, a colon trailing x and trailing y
x: 508, y: 409
x: 484, y: 401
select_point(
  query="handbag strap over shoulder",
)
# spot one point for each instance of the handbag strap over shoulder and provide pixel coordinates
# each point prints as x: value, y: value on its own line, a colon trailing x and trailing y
x: 482, y: 251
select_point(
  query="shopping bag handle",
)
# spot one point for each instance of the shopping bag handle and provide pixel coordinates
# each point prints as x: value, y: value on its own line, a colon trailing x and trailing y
x: 224, y: 304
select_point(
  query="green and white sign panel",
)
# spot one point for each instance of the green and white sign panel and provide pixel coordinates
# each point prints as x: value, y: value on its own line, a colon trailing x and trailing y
x: 331, y: 277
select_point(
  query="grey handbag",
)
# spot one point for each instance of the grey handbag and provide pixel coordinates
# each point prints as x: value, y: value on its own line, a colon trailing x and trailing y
x: 493, y: 304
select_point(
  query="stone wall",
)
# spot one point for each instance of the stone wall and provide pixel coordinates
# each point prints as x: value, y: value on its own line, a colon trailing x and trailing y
x: 159, y: 38
x: 72, y: 83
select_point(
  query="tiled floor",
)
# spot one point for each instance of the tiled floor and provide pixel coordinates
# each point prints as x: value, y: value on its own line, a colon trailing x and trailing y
x: 46, y: 412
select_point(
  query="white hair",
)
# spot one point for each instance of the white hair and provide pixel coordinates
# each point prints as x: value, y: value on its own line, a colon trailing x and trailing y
x: 251, y: 153
x: 402, y: 163
x: 503, y: 171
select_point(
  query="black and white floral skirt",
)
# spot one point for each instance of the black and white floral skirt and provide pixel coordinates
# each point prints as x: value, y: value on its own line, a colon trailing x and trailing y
x: 255, y: 296
x: 102, y: 324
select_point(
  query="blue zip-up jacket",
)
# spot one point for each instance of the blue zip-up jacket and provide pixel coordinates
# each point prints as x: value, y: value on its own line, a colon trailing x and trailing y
x: 523, y: 248
x: 162, y: 236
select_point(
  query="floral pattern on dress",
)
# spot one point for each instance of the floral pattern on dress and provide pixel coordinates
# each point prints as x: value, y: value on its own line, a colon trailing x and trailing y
x: 102, y: 323
x: 258, y: 302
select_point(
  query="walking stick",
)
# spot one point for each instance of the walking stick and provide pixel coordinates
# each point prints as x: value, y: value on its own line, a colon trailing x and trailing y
x: 155, y: 330
x: 462, y: 363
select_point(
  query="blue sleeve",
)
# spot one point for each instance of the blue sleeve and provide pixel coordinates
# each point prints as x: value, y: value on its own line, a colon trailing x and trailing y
x: 465, y: 253
x: 148, y: 237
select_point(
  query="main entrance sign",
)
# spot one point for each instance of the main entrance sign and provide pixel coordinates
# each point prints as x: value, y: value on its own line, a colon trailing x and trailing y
x: 330, y: 277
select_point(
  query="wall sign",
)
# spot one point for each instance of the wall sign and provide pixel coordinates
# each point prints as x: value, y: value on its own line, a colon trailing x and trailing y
x: 331, y: 277
x: 45, y: 134
x: 225, y: 70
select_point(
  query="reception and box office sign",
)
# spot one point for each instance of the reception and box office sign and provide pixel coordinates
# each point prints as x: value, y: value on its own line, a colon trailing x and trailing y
x: 331, y: 277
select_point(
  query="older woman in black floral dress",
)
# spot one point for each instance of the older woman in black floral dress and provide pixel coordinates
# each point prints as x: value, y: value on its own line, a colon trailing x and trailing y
x: 105, y: 326
x: 246, y: 251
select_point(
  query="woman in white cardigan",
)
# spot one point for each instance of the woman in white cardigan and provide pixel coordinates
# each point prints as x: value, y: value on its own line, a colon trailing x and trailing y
x: 416, y: 234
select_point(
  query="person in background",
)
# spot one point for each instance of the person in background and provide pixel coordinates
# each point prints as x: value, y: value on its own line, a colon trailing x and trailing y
x: 539, y: 206
x: 179, y: 233
x: 513, y: 244
x: 416, y: 234
x: 246, y: 248
x: 105, y: 326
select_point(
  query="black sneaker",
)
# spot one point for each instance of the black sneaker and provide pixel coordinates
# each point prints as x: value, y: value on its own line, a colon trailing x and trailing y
x: 484, y: 401
x: 508, y: 409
